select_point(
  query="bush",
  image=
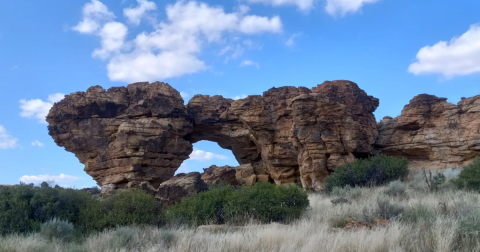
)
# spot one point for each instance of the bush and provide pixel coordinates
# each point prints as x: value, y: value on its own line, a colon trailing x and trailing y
x: 57, y: 229
x: 377, y: 170
x: 122, y: 208
x: 263, y: 202
x: 395, y: 188
x: 469, y: 177
x: 348, y: 192
x: 384, y: 209
x: 23, y: 209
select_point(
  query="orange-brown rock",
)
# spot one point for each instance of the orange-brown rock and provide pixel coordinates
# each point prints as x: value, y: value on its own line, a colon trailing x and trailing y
x: 176, y: 188
x: 245, y: 175
x: 433, y: 133
x: 143, y: 132
x: 214, y: 175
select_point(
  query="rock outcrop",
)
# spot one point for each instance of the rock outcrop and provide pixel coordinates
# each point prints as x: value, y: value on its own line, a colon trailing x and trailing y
x: 176, y: 188
x: 141, y: 133
x: 433, y: 133
x: 214, y: 175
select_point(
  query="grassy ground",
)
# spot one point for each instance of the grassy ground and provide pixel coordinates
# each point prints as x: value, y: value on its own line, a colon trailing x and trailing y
x: 441, y: 221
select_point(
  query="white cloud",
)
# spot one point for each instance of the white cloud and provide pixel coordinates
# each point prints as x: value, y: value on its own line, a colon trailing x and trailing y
x: 172, y: 49
x: 291, y: 40
x: 183, y: 169
x: 240, y: 97
x: 94, y: 14
x: 37, y: 108
x: 250, y: 63
x: 113, y: 37
x: 37, y: 143
x: 6, y: 140
x: 62, y: 179
x: 460, y: 56
x: 303, y: 5
x: 343, y: 7
x: 184, y: 95
x: 135, y: 15
x: 201, y: 155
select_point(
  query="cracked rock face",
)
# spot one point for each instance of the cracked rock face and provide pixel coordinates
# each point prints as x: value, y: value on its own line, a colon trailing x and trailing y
x: 128, y: 136
x: 433, y: 133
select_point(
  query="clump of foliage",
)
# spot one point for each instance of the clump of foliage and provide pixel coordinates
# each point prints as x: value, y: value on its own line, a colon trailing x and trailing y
x: 384, y: 209
x: 339, y: 201
x: 57, y: 229
x: 122, y: 208
x: 263, y: 202
x: 377, y: 170
x: 434, y: 181
x: 469, y: 177
x: 395, y: 188
x: 23, y: 209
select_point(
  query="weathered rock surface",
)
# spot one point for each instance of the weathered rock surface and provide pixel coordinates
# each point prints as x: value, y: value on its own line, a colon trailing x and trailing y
x: 143, y: 132
x: 176, y: 188
x: 214, y: 175
x: 433, y: 133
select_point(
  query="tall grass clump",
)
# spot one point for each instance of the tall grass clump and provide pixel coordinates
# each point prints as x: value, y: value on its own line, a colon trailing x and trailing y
x: 262, y: 202
x: 469, y: 177
x: 374, y: 171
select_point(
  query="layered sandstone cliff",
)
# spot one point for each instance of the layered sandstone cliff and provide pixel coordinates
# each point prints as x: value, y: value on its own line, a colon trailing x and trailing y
x: 433, y: 133
x: 128, y: 136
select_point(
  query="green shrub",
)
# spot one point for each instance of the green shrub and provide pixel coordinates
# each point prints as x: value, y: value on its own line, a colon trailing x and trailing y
x: 387, y: 209
x: 57, y: 229
x: 395, y: 188
x: 123, y: 208
x: 263, y: 202
x: 377, y: 170
x: 23, y: 207
x: 469, y: 177
x: 266, y: 202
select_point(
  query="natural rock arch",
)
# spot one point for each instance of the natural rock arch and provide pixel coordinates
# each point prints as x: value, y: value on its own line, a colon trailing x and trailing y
x: 143, y: 132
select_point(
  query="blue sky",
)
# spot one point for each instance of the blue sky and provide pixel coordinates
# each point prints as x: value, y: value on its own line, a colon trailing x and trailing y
x: 392, y: 49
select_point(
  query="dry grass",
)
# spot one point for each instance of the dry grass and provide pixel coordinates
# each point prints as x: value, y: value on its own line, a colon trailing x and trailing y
x: 313, y: 232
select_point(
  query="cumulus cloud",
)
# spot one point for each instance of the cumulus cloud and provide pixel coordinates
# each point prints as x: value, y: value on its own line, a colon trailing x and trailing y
x: 94, y: 14
x: 343, y: 7
x: 250, y: 63
x: 291, y: 40
x: 112, y: 39
x: 37, y: 108
x: 37, y: 143
x: 6, y: 140
x: 303, y: 5
x: 61, y: 179
x: 136, y: 14
x: 460, y: 56
x: 172, y: 49
x: 201, y: 155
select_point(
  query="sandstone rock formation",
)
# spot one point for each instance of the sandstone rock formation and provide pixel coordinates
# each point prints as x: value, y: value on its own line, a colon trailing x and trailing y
x: 433, y: 133
x: 176, y: 188
x: 143, y: 132
x: 214, y: 175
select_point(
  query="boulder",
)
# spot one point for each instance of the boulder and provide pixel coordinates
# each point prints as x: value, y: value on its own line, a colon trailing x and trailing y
x: 176, y: 188
x: 214, y: 175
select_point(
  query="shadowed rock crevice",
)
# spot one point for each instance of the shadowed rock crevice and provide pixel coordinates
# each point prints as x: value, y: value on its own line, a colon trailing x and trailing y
x: 142, y: 133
